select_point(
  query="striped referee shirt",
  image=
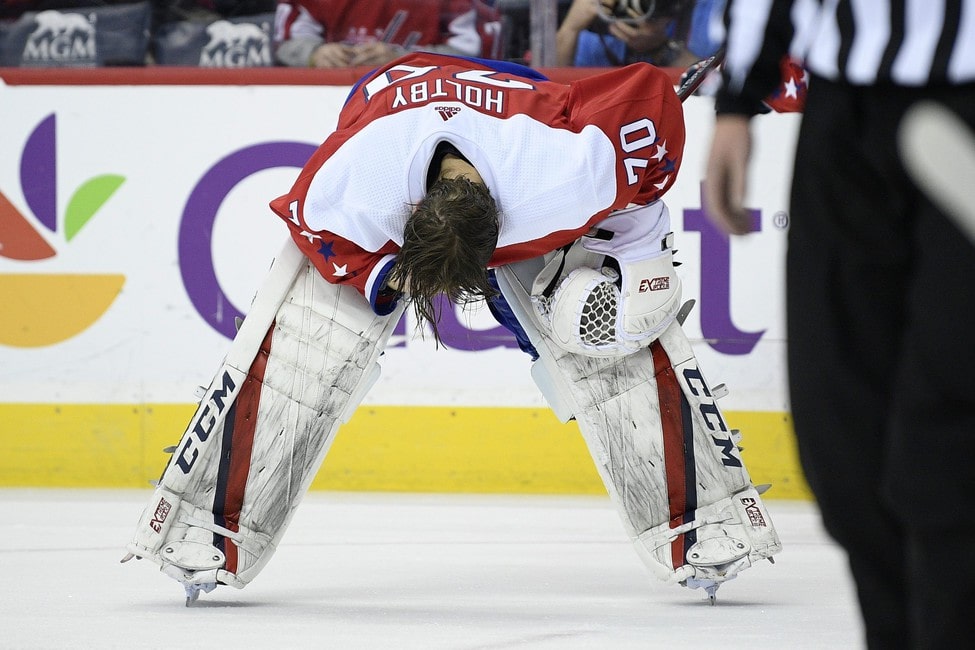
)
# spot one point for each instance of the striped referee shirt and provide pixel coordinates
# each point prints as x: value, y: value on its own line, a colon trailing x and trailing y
x: 861, y: 42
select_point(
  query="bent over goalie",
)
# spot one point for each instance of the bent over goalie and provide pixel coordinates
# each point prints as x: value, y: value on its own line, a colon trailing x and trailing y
x: 479, y: 180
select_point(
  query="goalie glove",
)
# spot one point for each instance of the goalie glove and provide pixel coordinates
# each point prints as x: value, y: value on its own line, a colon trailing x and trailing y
x: 602, y: 312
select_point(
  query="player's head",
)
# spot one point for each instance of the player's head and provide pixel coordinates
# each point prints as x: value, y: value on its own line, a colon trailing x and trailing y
x: 447, y: 244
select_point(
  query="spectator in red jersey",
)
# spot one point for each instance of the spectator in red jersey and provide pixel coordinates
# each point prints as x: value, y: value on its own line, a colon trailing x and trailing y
x: 343, y: 33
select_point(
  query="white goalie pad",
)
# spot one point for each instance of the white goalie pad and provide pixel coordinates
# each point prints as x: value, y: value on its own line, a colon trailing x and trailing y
x: 301, y: 362
x: 660, y: 443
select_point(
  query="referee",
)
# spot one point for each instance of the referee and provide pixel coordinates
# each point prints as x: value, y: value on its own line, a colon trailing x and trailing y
x: 880, y: 294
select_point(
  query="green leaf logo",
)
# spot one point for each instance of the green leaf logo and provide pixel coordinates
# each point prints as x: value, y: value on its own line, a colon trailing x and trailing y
x: 41, y: 309
x: 87, y: 200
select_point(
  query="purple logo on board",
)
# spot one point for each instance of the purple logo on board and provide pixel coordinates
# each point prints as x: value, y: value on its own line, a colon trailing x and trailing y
x: 716, y: 326
x: 213, y: 305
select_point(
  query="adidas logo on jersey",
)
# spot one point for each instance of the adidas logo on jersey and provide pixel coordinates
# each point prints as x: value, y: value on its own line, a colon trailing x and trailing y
x: 447, y: 112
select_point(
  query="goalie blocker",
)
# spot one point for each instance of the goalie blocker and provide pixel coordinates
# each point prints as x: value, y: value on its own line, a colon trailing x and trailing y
x: 300, y: 364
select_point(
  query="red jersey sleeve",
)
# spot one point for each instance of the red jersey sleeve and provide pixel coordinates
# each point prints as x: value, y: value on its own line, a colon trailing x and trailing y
x: 339, y: 260
x: 638, y: 109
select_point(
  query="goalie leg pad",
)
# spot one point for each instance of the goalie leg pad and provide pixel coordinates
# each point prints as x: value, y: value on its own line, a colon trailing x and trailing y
x: 660, y: 444
x: 301, y: 362
x: 720, y: 540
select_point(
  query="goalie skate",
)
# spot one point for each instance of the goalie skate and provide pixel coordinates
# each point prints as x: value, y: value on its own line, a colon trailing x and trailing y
x: 660, y: 444
x: 301, y: 362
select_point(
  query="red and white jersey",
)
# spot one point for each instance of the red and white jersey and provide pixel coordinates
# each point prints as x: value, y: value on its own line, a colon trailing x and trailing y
x: 556, y: 158
x: 408, y: 23
x: 790, y: 95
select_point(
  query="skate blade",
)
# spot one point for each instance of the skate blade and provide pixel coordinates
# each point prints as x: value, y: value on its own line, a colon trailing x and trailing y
x: 710, y: 587
x: 193, y: 591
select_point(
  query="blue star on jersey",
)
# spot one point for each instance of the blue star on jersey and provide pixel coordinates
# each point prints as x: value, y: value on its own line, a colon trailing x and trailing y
x: 326, y: 250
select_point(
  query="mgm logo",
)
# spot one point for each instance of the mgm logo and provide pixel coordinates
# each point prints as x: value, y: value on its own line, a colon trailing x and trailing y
x: 61, y: 39
x: 236, y: 45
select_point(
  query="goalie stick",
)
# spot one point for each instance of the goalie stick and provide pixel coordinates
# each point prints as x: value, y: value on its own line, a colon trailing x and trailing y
x: 701, y: 71
x: 938, y: 151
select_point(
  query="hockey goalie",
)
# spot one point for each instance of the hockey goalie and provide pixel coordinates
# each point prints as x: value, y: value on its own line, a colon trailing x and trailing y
x: 478, y: 180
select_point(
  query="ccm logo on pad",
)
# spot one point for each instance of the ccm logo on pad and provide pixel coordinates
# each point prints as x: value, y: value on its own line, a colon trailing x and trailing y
x: 654, y: 284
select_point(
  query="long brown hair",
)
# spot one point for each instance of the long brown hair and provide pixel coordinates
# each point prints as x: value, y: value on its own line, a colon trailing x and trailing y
x: 447, y: 244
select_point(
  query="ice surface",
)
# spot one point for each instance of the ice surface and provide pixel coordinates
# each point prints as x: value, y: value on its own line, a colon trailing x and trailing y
x: 397, y: 571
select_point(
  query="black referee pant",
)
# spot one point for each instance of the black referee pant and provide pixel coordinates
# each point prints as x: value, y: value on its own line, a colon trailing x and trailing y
x: 881, y: 339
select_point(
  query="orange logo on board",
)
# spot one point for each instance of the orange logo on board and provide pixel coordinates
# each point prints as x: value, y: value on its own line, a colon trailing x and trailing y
x: 43, y: 309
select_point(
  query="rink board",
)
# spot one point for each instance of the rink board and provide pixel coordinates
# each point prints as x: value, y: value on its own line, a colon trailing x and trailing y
x: 134, y: 228
x: 382, y: 448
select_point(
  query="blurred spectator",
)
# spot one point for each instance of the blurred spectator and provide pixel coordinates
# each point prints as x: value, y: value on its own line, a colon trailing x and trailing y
x: 516, y: 33
x: 602, y: 33
x: 214, y: 33
x: 168, y: 11
x: 342, y: 33
x: 74, y: 33
x: 13, y: 9
x: 706, y: 28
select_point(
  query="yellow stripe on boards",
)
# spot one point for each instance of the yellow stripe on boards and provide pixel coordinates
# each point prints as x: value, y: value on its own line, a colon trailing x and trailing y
x: 383, y: 448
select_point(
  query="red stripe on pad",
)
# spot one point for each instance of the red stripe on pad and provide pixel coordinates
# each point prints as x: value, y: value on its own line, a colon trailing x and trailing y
x: 668, y: 395
x: 245, y: 424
